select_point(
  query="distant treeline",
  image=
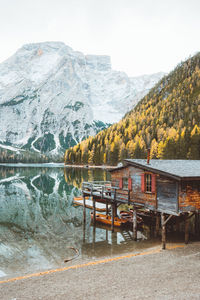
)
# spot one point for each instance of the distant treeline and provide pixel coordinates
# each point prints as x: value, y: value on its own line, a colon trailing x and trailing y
x: 8, y: 156
x: 167, y: 120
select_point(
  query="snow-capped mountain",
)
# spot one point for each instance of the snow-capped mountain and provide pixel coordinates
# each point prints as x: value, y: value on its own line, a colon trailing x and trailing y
x: 52, y: 97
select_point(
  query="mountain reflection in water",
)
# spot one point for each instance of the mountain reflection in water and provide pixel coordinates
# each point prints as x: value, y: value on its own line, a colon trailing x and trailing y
x: 39, y: 224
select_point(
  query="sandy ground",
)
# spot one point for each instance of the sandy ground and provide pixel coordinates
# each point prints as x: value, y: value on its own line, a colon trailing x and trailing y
x: 153, y: 274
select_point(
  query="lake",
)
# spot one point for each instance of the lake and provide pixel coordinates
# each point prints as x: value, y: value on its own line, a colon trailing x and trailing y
x: 39, y: 223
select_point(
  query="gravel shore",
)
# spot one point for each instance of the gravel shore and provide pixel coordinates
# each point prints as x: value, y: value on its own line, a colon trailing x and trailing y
x: 153, y: 274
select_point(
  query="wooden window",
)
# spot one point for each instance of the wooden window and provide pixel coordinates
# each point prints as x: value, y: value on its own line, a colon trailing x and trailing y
x: 148, y: 183
x: 125, y: 183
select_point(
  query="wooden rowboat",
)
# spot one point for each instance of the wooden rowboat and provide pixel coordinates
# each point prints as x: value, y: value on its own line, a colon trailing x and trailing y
x: 81, y: 198
x: 128, y: 215
x: 89, y: 203
x: 107, y: 219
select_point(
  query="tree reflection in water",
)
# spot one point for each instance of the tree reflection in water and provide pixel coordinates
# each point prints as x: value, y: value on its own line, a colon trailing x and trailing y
x: 38, y: 221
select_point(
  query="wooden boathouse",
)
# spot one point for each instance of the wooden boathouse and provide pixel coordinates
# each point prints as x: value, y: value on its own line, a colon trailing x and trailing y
x: 164, y: 189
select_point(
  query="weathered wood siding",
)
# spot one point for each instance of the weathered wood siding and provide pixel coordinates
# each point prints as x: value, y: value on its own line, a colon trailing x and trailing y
x: 170, y: 195
x: 167, y: 195
x: 136, y: 195
x: 189, y: 195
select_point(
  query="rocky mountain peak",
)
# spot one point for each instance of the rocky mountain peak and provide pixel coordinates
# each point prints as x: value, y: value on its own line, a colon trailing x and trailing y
x: 52, y: 97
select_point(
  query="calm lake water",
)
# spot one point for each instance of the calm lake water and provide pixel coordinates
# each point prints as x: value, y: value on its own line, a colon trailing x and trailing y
x: 39, y: 223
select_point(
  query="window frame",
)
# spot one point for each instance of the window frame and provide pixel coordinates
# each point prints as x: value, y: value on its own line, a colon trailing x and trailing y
x: 125, y: 183
x: 152, y: 188
x: 148, y: 183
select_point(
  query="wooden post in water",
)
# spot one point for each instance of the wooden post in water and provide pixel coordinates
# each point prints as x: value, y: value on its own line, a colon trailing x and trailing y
x: 157, y: 225
x: 163, y: 231
x: 115, y: 210
x: 84, y: 225
x: 94, y: 212
x: 134, y: 224
x: 113, y: 218
x: 93, y: 239
x: 106, y: 208
x: 102, y: 191
x: 84, y: 210
x: 186, y: 229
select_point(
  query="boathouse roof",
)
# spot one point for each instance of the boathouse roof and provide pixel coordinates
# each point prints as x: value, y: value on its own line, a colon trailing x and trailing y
x: 177, y: 169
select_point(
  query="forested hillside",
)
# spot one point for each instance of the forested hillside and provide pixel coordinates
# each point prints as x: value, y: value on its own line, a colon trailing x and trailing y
x: 167, y: 120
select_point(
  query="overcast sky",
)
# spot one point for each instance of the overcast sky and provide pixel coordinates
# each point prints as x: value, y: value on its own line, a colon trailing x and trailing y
x: 141, y: 36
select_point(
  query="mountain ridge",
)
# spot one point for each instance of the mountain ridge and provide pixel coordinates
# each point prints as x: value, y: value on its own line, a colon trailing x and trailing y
x: 52, y: 97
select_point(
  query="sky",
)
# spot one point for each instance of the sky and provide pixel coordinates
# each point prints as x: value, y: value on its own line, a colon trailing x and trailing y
x: 141, y: 36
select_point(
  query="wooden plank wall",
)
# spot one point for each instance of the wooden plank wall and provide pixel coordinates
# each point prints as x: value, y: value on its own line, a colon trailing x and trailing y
x: 167, y: 194
x: 189, y: 196
x: 136, y: 195
x: 188, y: 192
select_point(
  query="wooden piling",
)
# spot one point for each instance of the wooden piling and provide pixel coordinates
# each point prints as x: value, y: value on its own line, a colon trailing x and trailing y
x: 197, y: 225
x: 106, y: 208
x: 113, y: 218
x: 157, y: 226
x: 84, y: 210
x: 186, y: 229
x: 94, y: 211
x: 115, y: 209
x: 134, y: 224
x: 177, y: 225
x: 93, y: 239
x: 84, y: 229
x: 163, y: 231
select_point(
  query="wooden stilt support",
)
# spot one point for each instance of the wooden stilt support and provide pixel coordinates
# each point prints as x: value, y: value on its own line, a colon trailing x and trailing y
x: 177, y: 224
x: 94, y: 234
x: 106, y: 207
x: 94, y: 211
x: 163, y: 224
x: 186, y: 229
x: 197, y: 224
x: 157, y: 226
x: 113, y: 218
x: 93, y: 239
x: 134, y: 224
x: 84, y: 223
x: 115, y: 209
x: 84, y: 210
x: 151, y: 230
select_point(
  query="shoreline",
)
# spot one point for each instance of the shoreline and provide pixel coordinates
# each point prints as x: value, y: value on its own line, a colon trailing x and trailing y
x: 54, y: 165
x: 91, y: 167
x: 151, y: 274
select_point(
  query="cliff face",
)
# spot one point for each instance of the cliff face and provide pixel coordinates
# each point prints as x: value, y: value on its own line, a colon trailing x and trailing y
x: 52, y: 97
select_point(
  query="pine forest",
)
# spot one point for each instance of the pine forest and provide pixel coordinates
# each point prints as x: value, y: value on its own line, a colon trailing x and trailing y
x: 166, y: 120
